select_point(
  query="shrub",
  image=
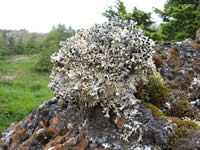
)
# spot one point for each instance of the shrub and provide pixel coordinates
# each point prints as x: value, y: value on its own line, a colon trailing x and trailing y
x: 158, y: 37
x: 44, y: 63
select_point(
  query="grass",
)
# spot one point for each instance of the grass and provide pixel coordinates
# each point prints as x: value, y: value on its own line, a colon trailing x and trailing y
x: 21, y: 88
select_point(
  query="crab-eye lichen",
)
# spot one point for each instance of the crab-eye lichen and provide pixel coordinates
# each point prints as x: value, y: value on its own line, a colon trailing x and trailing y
x: 103, y: 66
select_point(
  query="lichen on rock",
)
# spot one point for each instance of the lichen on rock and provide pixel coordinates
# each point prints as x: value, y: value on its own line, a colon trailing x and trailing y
x: 103, y: 66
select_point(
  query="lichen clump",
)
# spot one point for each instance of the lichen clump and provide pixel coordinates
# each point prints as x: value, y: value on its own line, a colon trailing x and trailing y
x: 103, y: 66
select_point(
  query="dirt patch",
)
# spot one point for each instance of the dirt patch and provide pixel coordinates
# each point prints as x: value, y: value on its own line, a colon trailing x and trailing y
x: 21, y: 58
x: 8, y: 76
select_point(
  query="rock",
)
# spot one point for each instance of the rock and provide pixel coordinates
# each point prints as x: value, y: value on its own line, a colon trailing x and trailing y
x: 88, y: 130
x: 198, y: 36
x: 166, y: 43
x: 196, y: 103
x: 188, y: 55
x: 172, y: 64
x: 181, y: 67
x: 23, y: 125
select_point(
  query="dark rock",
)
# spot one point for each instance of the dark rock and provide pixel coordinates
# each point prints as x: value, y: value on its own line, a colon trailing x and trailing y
x: 165, y: 72
x: 166, y: 43
x: 23, y: 125
x: 172, y: 64
x: 188, y: 55
x: 89, y: 129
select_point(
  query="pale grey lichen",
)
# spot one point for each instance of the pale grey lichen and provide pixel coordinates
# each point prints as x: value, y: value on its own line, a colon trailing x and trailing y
x: 103, y: 66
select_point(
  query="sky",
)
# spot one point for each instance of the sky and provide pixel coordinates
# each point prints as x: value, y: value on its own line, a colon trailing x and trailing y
x: 42, y: 15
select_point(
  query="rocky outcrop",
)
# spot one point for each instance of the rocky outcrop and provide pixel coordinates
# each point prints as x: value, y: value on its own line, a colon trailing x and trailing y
x: 56, y: 125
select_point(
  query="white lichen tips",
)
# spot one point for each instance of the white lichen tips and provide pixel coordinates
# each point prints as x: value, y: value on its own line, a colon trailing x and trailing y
x: 102, y: 66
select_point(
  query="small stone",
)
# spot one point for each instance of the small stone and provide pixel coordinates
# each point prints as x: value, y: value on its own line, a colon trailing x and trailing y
x: 23, y: 125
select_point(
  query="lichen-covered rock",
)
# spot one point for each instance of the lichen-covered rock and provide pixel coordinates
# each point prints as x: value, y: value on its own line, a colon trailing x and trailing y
x: 103, y: 66
x: 59, y: 126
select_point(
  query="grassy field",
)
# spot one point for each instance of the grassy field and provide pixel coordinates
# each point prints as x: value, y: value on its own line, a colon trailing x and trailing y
x: 21, y: 88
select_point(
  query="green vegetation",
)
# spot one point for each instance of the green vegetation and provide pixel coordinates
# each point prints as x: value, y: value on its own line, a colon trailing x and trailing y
x: 181, y: 17
x: 183, y: 109
x: 21, y: 88
x: 51, y: 44
x: 10, y: 46
x: 184, y: 132
x: 13, y: 46
x: 154, y: 92
x: 143, y: 19
x: 155, y: 111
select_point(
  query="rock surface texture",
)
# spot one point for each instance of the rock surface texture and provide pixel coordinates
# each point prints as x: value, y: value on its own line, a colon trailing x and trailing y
x: 56, y: 125
x: 179, y: 63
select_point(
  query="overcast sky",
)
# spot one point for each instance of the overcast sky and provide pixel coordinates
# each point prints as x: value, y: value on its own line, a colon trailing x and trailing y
x: 41, y: 15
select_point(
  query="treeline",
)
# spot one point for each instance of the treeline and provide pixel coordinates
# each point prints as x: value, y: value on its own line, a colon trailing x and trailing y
x: 45, y: 45
x: 51, y: 44
x: 19, y: 42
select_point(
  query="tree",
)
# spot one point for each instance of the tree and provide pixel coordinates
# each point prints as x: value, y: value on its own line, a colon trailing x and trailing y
x: 181, y: 17
x: 3, y: 46
x: 11, y: 45
x: 31, y: 45
x: 143, y: 19
x: 51, y: 44
x: 120, y: 11
x: 20, y: 46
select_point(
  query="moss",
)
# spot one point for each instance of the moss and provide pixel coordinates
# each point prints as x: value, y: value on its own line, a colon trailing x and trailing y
x: 172, y: 52
x: 173, y: 85
x: 183, y: 109
x: 184, y: 132
x: 183, y: 123
x: 195, y: 45
x: 155, y: 111
x: 157, y: 61
x: 154, y: 92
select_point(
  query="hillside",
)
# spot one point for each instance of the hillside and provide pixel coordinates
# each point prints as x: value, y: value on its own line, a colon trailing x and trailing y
x: 21, y: 88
